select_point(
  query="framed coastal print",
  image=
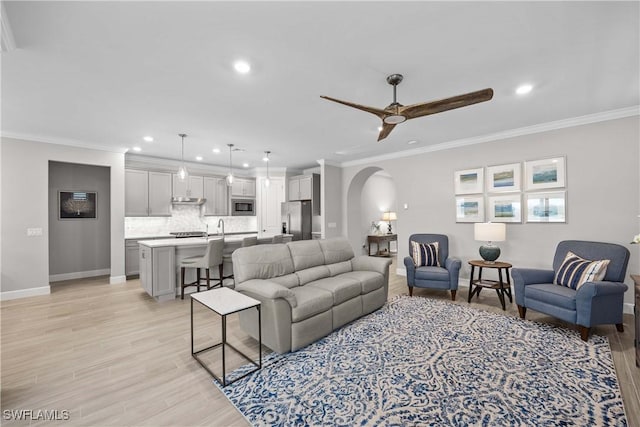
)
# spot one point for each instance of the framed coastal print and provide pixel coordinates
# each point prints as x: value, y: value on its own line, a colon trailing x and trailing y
x: 545, y: 173
x: 470, y: 209
x: 470, y: 181
x: 546, y: 207
x: 503, y: 178
x: 505, y: 208
x: 77, y: 205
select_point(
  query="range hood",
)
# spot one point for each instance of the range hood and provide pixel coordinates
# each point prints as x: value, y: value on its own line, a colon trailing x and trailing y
x: 188, y: 201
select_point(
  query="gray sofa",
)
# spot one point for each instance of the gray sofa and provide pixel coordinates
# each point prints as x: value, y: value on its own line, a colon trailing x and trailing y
x: 307, y: 288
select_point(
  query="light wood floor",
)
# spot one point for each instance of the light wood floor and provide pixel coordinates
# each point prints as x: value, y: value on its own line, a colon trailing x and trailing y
x: 112, y: 356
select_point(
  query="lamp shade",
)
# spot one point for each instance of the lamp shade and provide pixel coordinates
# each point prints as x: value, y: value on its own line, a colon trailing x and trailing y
x: 489, y: 231
x: 389, y: 216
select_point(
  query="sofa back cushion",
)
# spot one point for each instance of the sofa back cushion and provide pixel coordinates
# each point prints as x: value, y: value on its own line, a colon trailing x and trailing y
x: 288, y: 280
x: 314, y: 273
x: 339, y: 268
x: 305, y: 254
x: 261, y: 262
x: 336, y: 249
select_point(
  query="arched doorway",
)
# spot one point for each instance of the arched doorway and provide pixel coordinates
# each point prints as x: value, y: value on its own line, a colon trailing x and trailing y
x: 365, y: 202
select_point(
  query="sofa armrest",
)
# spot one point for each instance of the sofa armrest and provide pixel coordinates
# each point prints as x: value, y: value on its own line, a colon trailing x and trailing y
x: 453, y: 265
x: 528, y: 276
x: 268, y: 289
x: 371, y: 263
x: 600, y: 303
x: 410, y: 268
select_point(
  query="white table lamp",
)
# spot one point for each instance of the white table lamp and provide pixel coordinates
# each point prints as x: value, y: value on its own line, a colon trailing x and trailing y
x: 389, y: 216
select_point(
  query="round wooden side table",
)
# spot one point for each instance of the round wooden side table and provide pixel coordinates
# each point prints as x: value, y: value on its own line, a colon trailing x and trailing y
x: 476, y: 285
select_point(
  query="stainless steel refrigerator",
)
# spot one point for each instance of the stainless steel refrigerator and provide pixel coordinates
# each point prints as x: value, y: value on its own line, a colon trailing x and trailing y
x: 296, y: 219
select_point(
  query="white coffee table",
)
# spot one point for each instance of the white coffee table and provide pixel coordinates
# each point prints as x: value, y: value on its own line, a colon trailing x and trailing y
x: 225, y: 301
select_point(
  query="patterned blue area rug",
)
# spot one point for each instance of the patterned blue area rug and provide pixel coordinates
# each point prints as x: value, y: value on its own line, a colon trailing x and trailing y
x: 422, y: 362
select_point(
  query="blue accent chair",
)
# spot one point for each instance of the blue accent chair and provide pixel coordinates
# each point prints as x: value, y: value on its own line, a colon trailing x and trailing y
x: 594, y: 303
x: 443, y: 277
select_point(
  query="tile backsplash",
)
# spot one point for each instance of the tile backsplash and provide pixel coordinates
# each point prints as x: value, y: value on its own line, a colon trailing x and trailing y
x: 186, y: 218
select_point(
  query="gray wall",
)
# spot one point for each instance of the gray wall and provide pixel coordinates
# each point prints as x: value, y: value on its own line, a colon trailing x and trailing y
x: 330, y: 200
x: 603, y: 194
x: 79, y: 245
x: 25, y: 173
x: 378, y: 196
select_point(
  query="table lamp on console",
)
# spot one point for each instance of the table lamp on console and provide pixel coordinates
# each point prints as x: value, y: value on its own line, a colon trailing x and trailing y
x: 389, y: 216
x: 489, y: 232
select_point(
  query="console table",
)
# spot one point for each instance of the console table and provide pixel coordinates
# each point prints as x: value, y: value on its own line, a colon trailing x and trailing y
x: 476, y: 285
x: 636, y: 280
x: 381, y: 238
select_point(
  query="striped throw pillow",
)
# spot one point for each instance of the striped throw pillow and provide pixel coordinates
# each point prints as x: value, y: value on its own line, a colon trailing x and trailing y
x: 576, y: 271
x: 425, y: 255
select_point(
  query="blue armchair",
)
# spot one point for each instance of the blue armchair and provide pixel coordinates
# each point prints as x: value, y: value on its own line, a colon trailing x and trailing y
x: 443, y: 277
x: 593, y: 303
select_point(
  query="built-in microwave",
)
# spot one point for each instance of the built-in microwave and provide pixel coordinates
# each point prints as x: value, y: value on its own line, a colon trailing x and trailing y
x: 240, y: 207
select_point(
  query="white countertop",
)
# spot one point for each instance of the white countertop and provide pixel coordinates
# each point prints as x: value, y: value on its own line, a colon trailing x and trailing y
x: 194, y: 241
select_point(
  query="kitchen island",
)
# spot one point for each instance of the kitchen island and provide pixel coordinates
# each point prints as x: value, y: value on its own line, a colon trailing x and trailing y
x: 160, y: 261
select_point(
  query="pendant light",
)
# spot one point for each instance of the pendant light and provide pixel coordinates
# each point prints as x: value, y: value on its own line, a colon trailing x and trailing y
x: 182, y: 170
x: 230, y: 176
x: 266, y: 159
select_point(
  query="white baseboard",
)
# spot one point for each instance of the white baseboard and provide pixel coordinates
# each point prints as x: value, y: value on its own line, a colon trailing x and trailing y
x: 24, y: 293
x: 627, y: 308
x: 78, y: 275
x: 114, y: 280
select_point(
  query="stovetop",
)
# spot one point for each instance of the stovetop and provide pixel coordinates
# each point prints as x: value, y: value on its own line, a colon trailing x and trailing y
x: 185, y: 234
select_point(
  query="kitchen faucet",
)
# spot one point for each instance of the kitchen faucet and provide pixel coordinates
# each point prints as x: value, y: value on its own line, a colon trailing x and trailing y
x: 221, y: 221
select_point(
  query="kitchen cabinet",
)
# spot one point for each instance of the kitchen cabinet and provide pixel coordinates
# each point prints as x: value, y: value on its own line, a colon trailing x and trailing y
x: 268, y: 204
x: 243, y: 188
x: 215, y: 191
x: 157, y: 271
x: 192, y: 187
x: 147, y: 193
x: 306, y: 187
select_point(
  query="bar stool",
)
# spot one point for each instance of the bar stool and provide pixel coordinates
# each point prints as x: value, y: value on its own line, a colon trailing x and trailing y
x: 212, y: 257
x: 247, y: 241
x: 277, y: 238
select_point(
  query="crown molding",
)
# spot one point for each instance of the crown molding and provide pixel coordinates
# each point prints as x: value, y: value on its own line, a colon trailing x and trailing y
x: 63, y: 141
x: 528, y: 130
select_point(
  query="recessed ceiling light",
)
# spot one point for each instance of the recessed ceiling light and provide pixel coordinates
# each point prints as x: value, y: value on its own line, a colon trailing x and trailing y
x: 199, y: 158
x: 216, y: 150
x: 265, y: 159
x: 137, y: 149
x: 242, y: 67
x: 245, y: 165
x: 413, y: 141
x: 524, y: 89
x: 148, y: 138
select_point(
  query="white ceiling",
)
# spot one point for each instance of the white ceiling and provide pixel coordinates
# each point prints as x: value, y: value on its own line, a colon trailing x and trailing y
x: 106, y: 74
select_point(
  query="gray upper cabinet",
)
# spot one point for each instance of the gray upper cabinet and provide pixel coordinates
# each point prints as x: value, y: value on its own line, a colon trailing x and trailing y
x: 147, y: 193
x: 192, y: 187
x: 136, y: 193
x: 215, y: 191
x: 243, y: 188
x: 306, y: 187
x: 159, y: 194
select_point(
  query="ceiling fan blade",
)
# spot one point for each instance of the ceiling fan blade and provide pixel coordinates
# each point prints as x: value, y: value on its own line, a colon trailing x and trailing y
x: 377, y: 111
x: 433, y: 107
x: 386, y: 130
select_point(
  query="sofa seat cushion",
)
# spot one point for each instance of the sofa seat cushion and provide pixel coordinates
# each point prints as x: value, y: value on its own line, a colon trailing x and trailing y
x: 556, y: 295
x: 369, y: 280
x: 311, y: 301
x: 342, y: 288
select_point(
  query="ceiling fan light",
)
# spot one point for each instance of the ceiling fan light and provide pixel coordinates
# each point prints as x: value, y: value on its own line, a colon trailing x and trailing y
x: 394, y: 119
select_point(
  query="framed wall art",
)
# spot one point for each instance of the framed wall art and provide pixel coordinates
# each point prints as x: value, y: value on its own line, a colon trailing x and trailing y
x: 470, y: 181
x: 503, y: 178
x: 77, y: 205
x: 470, y: 209
x: 546, y: 207
x: 545, y: 173
x: 505, y: 208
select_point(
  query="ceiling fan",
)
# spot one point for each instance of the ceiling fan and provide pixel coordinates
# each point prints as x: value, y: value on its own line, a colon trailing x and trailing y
x: 397, y: 113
